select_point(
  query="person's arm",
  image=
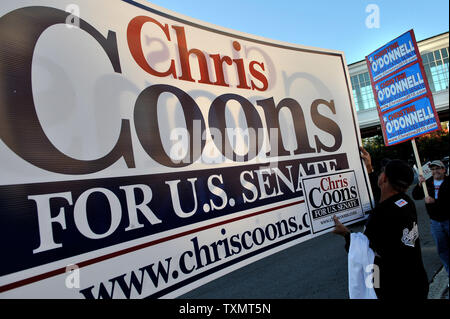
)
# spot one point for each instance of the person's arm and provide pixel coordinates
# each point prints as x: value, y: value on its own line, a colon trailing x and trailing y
x: 367, y: 159
x: 373, y: 177
x: 417, y: 192
x: 376, y: 191
x: 343, y: 231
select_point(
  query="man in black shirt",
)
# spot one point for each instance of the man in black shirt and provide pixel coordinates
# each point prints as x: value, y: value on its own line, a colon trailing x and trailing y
x: 393, y: 234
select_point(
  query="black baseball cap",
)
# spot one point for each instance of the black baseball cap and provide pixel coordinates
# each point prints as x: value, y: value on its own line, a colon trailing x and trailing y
x: 399, y: 173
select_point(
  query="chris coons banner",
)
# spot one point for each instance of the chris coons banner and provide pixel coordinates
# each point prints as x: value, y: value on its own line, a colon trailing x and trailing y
x: 144, y: 153
x: 404, y: 100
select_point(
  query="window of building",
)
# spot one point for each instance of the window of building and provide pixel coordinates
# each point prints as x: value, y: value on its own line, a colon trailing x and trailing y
x: 362, y: 92
x: 436, y: 68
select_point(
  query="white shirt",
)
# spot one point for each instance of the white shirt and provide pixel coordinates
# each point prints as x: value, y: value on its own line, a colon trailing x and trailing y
x: 437, y: 184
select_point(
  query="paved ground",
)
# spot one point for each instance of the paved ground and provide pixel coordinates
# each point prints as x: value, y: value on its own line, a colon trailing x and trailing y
x: 439, y: 286
x: 315, y: 269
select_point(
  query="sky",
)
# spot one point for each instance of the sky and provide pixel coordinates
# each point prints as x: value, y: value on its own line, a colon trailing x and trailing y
x: 336, y: 25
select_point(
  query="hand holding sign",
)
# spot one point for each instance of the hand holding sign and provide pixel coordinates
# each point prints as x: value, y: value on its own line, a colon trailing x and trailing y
x: 339, y: 229
x: 366, y: 158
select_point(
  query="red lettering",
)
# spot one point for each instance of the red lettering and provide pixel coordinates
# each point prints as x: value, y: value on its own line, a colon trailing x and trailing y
x: 322, y: 184
x: 403, y: 112
x: 135, y: 45
x: 240, y: 68
x: 218, y: 67
x: 386, y: 50
x: 256, y: 69
x: 397, y: 78
x: 184, y: 59
x: 326, y: 184
x: 259, y: 76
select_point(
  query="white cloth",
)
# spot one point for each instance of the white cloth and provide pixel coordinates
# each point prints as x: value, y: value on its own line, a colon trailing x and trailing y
x: 360, y: 265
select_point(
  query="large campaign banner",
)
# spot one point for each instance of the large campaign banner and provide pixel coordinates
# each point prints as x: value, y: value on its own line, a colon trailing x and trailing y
x: 144, y: 153
x: 404, y: 100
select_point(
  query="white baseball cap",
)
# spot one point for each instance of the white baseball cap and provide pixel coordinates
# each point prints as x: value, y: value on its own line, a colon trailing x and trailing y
x: 437, y: 163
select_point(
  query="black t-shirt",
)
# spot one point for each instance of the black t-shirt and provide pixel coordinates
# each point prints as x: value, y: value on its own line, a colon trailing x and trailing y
x: 393, y: 235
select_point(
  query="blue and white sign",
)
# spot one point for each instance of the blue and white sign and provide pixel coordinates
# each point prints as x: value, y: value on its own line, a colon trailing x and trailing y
x: 409, y: 121
x: 404, y: 100
x: 392, y: 56
x: 400, y: 88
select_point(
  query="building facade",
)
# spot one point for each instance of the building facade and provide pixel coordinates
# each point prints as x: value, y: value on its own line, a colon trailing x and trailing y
x: 435, y: 55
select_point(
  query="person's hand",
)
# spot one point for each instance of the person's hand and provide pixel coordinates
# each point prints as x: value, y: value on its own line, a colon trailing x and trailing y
x: 339, y: 228
x: 429, y: 200
x: 422, y: 179
x: 366, y: 158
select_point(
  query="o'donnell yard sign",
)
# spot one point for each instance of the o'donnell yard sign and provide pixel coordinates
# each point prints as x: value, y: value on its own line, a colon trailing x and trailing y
x: 404, y: 100
x: 143, y: 153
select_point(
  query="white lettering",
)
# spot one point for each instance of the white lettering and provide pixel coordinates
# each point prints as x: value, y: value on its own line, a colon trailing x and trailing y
x: 142, y: 207
x: 176, y: 204
x: 219, y: 192
x: 80, y: 213
x: 250, y: 186
x: 45, y: 220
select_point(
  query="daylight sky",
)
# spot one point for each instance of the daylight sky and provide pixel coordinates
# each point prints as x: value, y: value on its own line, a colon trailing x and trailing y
x: 337, y: 25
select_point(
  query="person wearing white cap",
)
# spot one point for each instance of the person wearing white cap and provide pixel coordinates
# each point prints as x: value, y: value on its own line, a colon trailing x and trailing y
x: 437, y: 207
